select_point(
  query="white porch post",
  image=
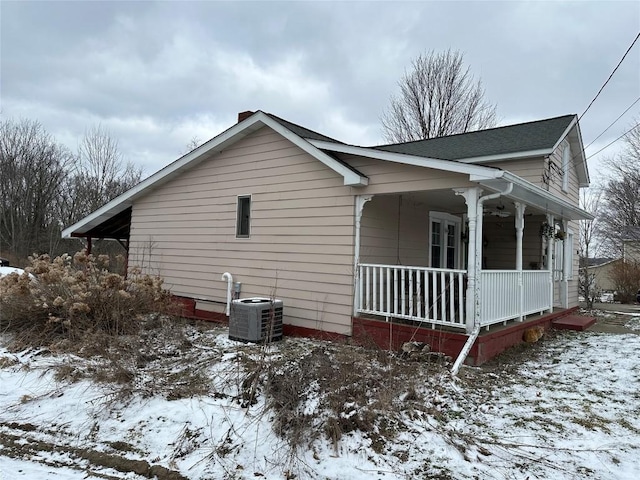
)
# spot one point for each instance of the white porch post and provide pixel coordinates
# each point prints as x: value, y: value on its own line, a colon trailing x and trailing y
x: 551, y: 222
x: 471, y: 196
x: 359, y: 207
x: 566, y: 259
x: 519, y: 233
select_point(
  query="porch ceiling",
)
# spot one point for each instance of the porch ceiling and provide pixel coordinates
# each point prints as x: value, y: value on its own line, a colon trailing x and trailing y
x: 533, y: 196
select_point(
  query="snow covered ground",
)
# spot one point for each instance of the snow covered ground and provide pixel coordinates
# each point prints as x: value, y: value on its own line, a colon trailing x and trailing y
x: 565, y: 408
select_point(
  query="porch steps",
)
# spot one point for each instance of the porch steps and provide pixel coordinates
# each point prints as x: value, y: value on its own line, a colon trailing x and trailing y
x: 573, y: 322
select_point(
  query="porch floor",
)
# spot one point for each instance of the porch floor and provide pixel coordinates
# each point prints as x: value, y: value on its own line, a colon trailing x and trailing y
x: 489, y: 344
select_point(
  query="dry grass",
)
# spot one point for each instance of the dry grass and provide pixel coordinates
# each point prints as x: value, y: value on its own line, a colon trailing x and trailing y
x: 331, y: 389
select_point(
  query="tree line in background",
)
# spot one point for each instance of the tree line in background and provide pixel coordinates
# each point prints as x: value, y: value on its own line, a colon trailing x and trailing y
x: 615, y: 232
x: 45, y: 187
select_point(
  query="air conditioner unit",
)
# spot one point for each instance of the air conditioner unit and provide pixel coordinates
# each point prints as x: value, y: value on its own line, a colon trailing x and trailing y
x: 256, y: 320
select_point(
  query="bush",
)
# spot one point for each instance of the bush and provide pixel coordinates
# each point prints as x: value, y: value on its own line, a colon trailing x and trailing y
x: 69, y: 297
x: 626, y: 279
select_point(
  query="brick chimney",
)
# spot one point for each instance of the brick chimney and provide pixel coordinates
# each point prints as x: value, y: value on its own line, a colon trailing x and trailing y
x: 244, y: 115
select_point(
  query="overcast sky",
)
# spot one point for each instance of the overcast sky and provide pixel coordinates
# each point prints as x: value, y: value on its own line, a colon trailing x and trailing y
x: 157, y: 75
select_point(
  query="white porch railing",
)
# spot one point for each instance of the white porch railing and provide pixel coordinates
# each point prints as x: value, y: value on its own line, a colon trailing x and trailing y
x: 432, y: 295
x: 503, y: 297
x: 437, y: 296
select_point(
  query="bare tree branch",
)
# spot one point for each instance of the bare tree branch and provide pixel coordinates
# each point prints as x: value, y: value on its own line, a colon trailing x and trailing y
x: 438, y: 97
x: 620, y: 214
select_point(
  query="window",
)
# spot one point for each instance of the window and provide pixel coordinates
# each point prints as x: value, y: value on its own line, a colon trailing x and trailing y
x: 563, y: 252
x: 244, y: 217
x: 444, y: 240
x: 566, y: 162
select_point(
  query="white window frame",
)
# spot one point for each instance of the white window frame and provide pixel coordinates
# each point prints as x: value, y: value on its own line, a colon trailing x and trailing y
x: 445, y: 219
x: 564, y: 253
x: 569, y: 252
x: 566, y: 163
x: 238, y: 220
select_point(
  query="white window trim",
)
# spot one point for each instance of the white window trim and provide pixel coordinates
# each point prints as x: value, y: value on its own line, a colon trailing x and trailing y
x: 445, y: 218
x: 238, y: 236
x: 566, y: 164
x: 569, y: 252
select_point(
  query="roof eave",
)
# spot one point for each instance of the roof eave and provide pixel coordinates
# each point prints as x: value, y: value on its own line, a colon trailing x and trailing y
x: 508, y: 156
x: 403, y: 158
x: 204, y: 151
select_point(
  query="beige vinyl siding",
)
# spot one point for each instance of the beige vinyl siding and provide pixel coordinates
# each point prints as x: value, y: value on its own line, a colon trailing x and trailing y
x: 390, y: 177
x: 555, y: 183
x: 300, y: 247
x: 379, y: 240
x: 530, y: 169
x: 499, y: 243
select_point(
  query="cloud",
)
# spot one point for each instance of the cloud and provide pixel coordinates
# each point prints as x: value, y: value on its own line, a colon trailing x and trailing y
x: 159, y: 73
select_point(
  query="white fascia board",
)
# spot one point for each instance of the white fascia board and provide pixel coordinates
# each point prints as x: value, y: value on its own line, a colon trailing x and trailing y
x: 435, y: 163
x: 507, y: 156
x: 565, y: 133
x: 584, y: 181
x: 125, y: 200
x: 215, y: 145
x: 350, y: 177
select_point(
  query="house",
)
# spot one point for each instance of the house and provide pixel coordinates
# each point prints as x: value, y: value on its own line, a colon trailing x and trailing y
x: 446, y: 235
x: 601, y: 270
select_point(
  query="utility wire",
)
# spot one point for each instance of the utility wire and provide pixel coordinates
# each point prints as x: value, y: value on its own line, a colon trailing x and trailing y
x: 563, y: 165
x: 612, y: 73
x: 611, y: 143
x: 613, y: 123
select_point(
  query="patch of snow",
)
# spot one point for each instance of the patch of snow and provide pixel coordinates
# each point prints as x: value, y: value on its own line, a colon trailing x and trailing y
x: 569, y: 411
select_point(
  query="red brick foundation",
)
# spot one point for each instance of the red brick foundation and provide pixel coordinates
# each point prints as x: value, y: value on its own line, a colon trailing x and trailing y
x: 187, y: 308
x: 388, y: 335
x: 488, y: 345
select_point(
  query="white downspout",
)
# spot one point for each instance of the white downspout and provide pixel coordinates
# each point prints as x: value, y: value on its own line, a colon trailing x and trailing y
x: 478, y: 269
x: 465, y: 350
x: 227, y: 276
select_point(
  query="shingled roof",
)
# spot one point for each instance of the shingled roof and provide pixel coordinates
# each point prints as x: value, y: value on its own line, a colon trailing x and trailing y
x: 302, y: 131
x: 522, y: 137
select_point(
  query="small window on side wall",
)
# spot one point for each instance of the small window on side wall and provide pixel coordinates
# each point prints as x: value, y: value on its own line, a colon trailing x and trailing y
x: 243, y: 221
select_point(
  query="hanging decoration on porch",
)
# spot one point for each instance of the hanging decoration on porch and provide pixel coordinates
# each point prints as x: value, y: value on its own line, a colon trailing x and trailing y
x: 549, y: 231
x: 546, y: 230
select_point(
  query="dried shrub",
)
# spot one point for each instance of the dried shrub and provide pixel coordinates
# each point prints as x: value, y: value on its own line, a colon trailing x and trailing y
x: 333, y: 390
x: 69, y: 297
x: 626, y: 279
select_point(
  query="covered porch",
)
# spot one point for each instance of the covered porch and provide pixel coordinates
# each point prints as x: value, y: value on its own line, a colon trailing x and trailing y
x: 464, y: 259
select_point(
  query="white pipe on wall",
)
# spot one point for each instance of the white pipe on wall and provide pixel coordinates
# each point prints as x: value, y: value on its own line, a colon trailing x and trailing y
x: 227, y: 276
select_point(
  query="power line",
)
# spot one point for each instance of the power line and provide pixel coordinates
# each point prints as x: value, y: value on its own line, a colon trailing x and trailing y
x: 563, y: 165
x: 609, y: 144
x: 612, y: 123
x: 612, y: 73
